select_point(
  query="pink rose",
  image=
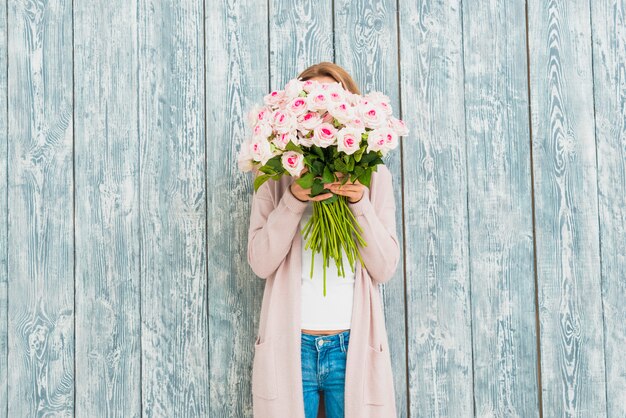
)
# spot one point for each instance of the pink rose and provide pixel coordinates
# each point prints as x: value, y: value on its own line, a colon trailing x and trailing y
x: 308, y: 85
x: 383, y: 140
x: 398, y: 126
x: 260, y: 150
x: 324, y: 135
x: 342, y: 111
x: 284, y: 121
x: 349, y: 140
x: 274, y: 98
x: 259, y: 114
x: 293, y: 88
x: 293, y: 162
x: 373, y: 115
x: 356, y: 123
x: 262, y: 129
x: 309, y: 120
x: 297, y: 106
x: 391, y: 138
x: 304, y: 141
x: 281, y: 140
x: 318, y: 99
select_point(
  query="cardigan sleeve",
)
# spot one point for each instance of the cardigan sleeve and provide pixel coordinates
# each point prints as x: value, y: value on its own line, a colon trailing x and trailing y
x: 378, y: 221
x: 272, y: 228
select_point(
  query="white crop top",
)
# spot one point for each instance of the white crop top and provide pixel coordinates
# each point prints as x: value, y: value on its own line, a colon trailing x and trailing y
x: 319, y: 312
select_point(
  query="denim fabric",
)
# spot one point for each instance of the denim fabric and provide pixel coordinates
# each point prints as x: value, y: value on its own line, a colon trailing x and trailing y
x: 324, y: 370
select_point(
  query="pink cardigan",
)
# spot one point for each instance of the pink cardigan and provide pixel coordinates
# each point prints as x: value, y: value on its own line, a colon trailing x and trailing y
x: 274, y: 254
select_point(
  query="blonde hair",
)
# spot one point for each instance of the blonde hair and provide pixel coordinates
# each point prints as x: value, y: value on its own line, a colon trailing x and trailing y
x: 332, y: 70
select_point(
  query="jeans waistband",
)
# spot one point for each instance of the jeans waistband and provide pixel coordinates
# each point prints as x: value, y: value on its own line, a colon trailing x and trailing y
x: 326, y: 341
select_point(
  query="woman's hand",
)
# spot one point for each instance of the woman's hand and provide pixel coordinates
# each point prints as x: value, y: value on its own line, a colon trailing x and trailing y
x: 353, y: 191
x: 304, y: 194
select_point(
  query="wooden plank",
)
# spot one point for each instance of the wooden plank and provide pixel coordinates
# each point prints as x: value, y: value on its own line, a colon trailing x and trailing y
x: 40, y: 210
x: 236, y: 78
x: 4, y: 215
x: 608, y: 21
x: 175, y: 337
x: 301, y: 34
x: 108, y: 325
x: 500, y: 209
x: 566, y: 209
x: 435, y: 209
x: 367, y: 47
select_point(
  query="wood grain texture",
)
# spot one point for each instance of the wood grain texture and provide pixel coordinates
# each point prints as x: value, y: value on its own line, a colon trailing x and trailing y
x: 566, y: 209
x: 608, y: 21
x: 106, y: 153
x: 40, y: 196
x: 500, y: 209
x: 145, y: 237
x: 237, y: 77
x: 172, y: 198
x: 435, y: 194
x: 366, y: 42
x: 301, y: 34
x: 4, y: 215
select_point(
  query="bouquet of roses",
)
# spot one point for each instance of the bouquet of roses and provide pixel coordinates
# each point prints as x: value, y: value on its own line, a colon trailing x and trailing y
x: 321, y: 133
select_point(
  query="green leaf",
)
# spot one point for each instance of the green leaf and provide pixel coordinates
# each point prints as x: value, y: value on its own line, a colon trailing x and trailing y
x: 267, y: 170
x: 306, y: 181
x: 328, y: 175
x: 351, y: 164
x: 317, y: 187
x: 274, y: 162
x: 340, y: 166
x: 317, y: 167
x: 366, y: 177
x: 318, y: 151
x: 260, y: 180
x: 293, y: 147
x: 369, y: 157
x: 359, y: 153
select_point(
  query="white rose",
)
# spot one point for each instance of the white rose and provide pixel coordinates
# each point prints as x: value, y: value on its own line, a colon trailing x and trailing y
x: 373, y: 115
x: 309, y: 121
x: 324, y: 135
x: 293, y: 162
x: 342, y: 111
x: 349, y: 140
x: 293, y: 88
x: 260, y: 150
x: 376, y: 141
x: 283, y: 121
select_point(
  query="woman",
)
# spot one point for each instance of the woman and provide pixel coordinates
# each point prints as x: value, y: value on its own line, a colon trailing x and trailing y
x: 307, y: 343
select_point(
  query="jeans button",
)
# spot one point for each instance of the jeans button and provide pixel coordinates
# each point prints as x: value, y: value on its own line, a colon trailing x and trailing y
x: 320, y: 342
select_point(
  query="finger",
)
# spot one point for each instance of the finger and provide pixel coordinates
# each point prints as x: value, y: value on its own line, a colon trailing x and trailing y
x: 322, y: 196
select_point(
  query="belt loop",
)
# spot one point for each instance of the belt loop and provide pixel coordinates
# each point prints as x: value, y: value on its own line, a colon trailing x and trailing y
x: 343, y: 347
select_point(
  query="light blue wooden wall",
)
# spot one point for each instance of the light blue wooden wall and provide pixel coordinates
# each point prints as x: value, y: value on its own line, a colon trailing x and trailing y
x: 124, y: 287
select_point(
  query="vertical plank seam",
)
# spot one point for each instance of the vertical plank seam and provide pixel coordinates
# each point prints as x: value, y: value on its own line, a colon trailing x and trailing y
x: 595, y: 125
x: 269, y: 49
x: 469, y: 249
x: 332, y: 15
x: 6, y: 11
x: 74, y: 206
x: 532, y: 201
x: 139, y: 216
x: 406, y: 324
x: 206, y: 201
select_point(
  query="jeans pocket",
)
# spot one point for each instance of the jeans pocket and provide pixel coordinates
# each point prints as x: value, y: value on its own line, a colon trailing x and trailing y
x: 377, y: 379
x: 264, y: 370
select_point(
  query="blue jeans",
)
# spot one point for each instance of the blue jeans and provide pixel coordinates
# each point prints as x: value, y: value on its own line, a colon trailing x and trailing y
x: 324, y: 370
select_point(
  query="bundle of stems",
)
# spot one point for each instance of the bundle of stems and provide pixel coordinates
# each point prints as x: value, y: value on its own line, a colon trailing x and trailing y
x: 331, y: 230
